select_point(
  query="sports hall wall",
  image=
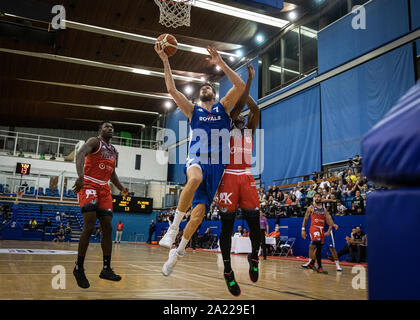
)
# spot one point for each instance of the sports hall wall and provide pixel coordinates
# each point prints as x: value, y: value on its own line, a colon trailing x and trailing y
x: 290, y: 227
x: 326, y: 122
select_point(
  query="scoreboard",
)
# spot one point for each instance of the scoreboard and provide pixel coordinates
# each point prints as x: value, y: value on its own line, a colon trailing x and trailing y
x: 23, y: 168
x: 131, y: 204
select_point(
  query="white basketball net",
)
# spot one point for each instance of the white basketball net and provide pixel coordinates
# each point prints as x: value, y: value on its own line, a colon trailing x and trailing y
x: 175, y: 13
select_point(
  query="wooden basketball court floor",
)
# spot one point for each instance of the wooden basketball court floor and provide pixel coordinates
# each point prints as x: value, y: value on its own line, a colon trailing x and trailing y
x: 197, y: 276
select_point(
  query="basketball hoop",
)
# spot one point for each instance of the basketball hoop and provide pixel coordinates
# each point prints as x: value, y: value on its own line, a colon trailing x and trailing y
x: 175, y: 13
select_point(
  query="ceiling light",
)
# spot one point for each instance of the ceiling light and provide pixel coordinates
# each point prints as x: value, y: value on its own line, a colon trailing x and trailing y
x: 188, y: 90
x: 107, y: 108
x: 239, y: 13
x: 292, y: 15
x: 168, y: 104
x: 203, y: 79
x: 239, y: 53
x: 218, y: 68
x: 259, y: 38
x: 231, y: 58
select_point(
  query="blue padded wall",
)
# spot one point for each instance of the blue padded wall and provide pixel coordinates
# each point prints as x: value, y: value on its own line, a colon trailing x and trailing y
x: 354, y: 101
x: 173, y: 120
x: 386, y: 20
x: 133, y: 222
x: 415, y: 14
x: 393, y: 218
x: 292, y: 136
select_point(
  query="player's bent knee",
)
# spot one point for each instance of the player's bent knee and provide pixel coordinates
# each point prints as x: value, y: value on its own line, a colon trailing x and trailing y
x: 195, y: 181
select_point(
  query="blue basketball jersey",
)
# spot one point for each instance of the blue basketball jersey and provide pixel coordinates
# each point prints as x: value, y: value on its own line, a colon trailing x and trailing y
x: 209, y: 135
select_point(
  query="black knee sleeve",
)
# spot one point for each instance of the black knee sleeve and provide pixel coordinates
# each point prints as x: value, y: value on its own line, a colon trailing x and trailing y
x: 228, y: 220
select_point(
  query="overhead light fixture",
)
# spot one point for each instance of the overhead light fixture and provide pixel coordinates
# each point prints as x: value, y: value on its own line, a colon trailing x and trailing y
x: 239, y: 13
x: 259, y: 38
x: 112, y: 121
x: 188, y: 90
x: 218, y: 68
x: 101, y: 89
x: 231, y: 59
x: 97, y: 64
x: 292, y: 15
x: 281, y: 70
x: 203, y: 79
x: 239, y: 53
x: 168, y: 104
x: 104, y: 107
x: 133, y: 37
x: 107, y: 108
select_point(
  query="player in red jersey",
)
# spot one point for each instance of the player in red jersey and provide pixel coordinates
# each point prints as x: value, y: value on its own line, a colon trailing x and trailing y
x: 318, y: 215
x: 95, y: 165
x: 237, y: 187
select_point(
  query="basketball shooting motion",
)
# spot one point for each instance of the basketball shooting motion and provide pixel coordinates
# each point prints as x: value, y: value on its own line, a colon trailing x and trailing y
x: 237, y: 187
x: 95, y: 165
x: 202, y: 169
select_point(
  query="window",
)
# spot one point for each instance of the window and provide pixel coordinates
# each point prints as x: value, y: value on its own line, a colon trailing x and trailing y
x: 138, y: 162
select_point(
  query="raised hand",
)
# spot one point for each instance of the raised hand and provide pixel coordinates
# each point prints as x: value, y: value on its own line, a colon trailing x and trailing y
x: 161, y: 53
x: 215, y: 57
x: 251, y: 71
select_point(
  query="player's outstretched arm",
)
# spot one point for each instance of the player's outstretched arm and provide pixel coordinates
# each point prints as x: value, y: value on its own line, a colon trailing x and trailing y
x: 254, y: 114
x: 182, y: 102
x: 244, y: 98
x: 90, y: 146
x: 235, y: 93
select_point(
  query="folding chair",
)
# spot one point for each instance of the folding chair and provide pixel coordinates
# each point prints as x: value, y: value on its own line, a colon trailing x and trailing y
x: 282, y: 241
x: 287, y: 246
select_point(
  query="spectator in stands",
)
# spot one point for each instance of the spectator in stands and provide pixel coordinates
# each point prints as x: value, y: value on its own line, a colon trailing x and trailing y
x: 60, y: 233
x: 356, y: 163
x: 245, y: 233
x: 309, y: 195
x: 47, y: 223
x: 21, y: 154
x: 63, y: 215
x: 350, y: 187
x: 215, y: 213
x: 275, y: 233
x: 239, y: 232
x: 152, y: 228
x: 264, y: 230
x: 358, y: 204
x: 25, y: 187
x: 57, y: 216
x: 32, y: 224
x: 325, y: 184
x: 120, y: 227
x: 341, y: 209
x: 67, y: 232
x: 42, y: 156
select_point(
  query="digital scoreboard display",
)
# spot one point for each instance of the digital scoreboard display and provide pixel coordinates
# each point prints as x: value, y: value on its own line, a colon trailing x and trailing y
x: 23, y: 168
x: 132, y: 204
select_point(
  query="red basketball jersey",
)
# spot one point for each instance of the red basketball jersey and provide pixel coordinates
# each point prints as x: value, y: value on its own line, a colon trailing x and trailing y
x: 241, y: 144
x: 318, y: 216
x: 100, y: 164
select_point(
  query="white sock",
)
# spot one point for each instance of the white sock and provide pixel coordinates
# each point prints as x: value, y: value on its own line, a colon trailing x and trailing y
x: 310, y: 260
x: 182, y: 245
x: 337, y: 264
x: 177, y: 219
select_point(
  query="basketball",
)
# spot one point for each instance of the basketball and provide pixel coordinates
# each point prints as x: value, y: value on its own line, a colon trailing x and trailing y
x: 168, y: 43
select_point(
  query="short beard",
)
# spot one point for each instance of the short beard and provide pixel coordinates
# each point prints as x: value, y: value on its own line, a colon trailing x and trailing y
x: 206, y: 98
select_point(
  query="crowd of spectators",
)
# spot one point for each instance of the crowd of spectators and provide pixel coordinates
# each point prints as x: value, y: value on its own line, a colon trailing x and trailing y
x: 343, y: 194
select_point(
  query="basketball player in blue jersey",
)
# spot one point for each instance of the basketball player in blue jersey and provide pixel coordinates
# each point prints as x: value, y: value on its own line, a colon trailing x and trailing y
x: 208, y: 154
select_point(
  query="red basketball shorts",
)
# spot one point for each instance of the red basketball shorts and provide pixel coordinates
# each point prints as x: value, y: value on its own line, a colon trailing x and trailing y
x: 316, y: 233
x: 237, y: 189
x: 95, y: 197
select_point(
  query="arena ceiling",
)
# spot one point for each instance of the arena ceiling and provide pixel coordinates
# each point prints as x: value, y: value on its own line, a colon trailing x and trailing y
x: 70, y: 78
